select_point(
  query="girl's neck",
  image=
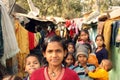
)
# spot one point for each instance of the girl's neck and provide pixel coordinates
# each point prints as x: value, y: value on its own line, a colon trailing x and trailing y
x: 54, y: 71
x: 55, y: 68
x: 99, y: 47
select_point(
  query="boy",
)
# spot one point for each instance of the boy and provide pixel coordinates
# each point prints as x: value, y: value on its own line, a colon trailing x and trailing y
x: 101, y: 73
x: 82, y: 57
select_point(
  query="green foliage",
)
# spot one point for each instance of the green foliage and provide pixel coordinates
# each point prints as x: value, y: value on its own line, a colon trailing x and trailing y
x: 67, y: 8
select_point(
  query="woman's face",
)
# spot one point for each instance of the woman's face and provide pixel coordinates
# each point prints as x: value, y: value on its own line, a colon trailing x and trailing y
x: 54, y: 53
x: 32, y: 64
x: 99, y: 41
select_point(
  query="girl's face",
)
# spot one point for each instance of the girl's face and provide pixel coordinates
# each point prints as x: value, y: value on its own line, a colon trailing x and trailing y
x: 54, y: 54
x: 32, y: 64
x: 69, y: 60
x: 82, y: 59
x: 70, y: 48
x: 99, y: 41
x: 84, y: 36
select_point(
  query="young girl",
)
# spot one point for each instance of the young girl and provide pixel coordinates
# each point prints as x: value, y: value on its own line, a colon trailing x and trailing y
x: 32, y: 63
x: 54, y: 50
x: 71, y: 48
x: 84, y: 38
x: 69, y: 61
x: 101, y: 52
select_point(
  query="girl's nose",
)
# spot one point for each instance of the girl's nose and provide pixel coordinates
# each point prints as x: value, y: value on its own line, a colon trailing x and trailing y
x: 54, y: 54
x: 31, y: 65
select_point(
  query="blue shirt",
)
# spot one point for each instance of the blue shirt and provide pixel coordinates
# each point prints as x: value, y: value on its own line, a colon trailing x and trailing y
x: 102, y: 54
x: 71, y: 66
x: 80, y: 70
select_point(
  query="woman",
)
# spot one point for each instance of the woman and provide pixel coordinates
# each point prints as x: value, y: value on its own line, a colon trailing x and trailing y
x: 54, y: 51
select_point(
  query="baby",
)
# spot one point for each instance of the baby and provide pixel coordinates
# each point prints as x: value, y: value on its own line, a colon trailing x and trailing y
x: 101, y: 73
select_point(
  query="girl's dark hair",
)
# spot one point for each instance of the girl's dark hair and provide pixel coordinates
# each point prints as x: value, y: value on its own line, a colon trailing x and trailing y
x: 86, y: 31
x: 99, y: 35
x: 29, y: 55
x: 54, y: 38
x: 65, y: 64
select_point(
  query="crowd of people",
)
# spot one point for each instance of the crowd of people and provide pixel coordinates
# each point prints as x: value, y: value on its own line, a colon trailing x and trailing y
x: 67, y: 59
x: 73, y: 58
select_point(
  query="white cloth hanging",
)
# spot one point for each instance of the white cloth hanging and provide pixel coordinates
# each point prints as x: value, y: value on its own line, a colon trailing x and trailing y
x: 9, y: 39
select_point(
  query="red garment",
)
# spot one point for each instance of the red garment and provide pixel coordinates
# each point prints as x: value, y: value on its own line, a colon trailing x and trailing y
x: 67, y: 75
x: 67, y: 23
x: 31, y: 40
x: 50, y: 34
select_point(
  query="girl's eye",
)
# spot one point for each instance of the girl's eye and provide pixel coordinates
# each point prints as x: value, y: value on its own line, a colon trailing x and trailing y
x: 58, y: 51
x: 27, y: 63
x: 49, y: 51
x: 35, y: 62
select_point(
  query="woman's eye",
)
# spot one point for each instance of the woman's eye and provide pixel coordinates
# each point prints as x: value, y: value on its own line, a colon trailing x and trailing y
x: 58, y: 51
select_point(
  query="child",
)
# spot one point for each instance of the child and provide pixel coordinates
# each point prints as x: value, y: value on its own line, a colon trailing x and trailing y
x: 54, y: 50
x: 71, y: 48
x: 32, y: 63
x: 82, y: 57
x: 84, y: 38
x: 101, y: 52
x: 69, y: 61
x: 101, y: 73
x: 92, y: 59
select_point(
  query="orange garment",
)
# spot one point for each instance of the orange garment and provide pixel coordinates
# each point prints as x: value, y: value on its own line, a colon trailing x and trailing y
x: 23, y: 43
x: 92, y: 59
x: 99, y: 74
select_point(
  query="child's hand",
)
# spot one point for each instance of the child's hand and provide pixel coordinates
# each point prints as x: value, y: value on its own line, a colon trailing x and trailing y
x: 76, y: 63
x: 86, y: 70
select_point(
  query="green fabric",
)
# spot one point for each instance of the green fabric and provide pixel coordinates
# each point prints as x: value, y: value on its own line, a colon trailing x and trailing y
x: 115, y: 57
x: 1, y: 39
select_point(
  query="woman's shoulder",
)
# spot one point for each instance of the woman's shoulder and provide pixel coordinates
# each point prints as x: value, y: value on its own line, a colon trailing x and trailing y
x: 69, y: 71
x: 38, y: 74
x: 104, y: 49
x: 70, y: 74
x: 38, y: 71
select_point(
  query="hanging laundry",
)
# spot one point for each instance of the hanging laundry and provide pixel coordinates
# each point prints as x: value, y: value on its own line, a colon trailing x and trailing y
x: 23, y: 43
x: 73, y: 29
x: 108, y: 29
x: 9, y: 39
x: 31, y: 40
x: 118, y: 33
x: 1, y: 39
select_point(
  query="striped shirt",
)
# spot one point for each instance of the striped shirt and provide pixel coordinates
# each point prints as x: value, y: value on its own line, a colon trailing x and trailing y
x: 80, y: 70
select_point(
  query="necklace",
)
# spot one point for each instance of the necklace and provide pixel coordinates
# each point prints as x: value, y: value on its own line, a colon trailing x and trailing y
x: 53, y: 74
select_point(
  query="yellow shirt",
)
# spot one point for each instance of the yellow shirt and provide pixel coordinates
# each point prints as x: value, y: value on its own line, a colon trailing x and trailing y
x: 99, y: 74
